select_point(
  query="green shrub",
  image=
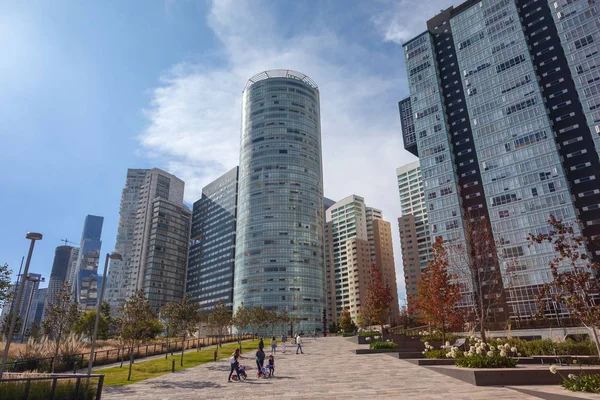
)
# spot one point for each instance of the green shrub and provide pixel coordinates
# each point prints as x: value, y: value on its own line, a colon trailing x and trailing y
x: 482, y: 361
x: 436, y: 336
x: 436, y: 354
x: 545, y: 347
x: 383, y: 345
x: 369, y: 333
x: 583, y: 383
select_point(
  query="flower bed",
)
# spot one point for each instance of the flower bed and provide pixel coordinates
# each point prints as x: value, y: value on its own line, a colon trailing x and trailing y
x: 483, y: 355
x: 369, y: 333
x: 383, y: 345
x: 582, y: 383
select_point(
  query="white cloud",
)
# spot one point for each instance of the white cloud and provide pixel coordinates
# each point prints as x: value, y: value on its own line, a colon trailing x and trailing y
x: 195, y: 115
x: 398, y: 21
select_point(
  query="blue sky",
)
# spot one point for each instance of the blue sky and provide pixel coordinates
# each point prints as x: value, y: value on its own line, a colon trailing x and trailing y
x: 89, y: 89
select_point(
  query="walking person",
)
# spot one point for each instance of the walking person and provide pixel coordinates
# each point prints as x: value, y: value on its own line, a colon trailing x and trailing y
x: 315, y: 334
x: 260, y: 360
x: 261, y: 345
x: 273, y: 345
x: 271, y: 365
x: 299, y: 344
x: 235, y: 364
x: 283, y: 342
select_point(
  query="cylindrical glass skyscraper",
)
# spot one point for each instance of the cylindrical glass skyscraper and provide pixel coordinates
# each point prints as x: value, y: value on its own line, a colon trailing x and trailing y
x: 279, y: 254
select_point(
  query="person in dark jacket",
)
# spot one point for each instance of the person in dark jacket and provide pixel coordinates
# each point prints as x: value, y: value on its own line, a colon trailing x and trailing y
x: 260, y: 359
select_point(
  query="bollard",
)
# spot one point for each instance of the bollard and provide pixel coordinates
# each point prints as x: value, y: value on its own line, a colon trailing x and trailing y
x: 173, y: 366
x: 215, y: 355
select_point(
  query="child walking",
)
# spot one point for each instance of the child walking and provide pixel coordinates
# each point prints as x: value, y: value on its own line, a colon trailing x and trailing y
x: 271, y: 365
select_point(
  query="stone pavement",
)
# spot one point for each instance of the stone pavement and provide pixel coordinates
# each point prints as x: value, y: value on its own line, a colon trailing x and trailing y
x: 328, y: 369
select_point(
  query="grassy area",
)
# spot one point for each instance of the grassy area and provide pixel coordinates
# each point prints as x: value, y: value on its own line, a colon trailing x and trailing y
x: 143, y: 370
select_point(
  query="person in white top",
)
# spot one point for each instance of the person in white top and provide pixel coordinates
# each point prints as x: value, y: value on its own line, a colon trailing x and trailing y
x: 283, y: 342
x: 299, y: 344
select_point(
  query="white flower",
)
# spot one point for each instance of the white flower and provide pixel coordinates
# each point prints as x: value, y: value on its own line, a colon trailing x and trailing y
x: 490, y: 354
x: 471, y: 348
x: 426, y: 344
x: 553, y: 368
x: 507, y: 346
x: 447, y: 343
x: 519, y: 354
x: 503, y: 353
x: 492, y: 348
x: 572, y: 376
x: 513, y: 349
x: 479, y: 350
x: 424, y: 351
x: 448, y: 355
x: 368, y: 339
x: 454, y: 348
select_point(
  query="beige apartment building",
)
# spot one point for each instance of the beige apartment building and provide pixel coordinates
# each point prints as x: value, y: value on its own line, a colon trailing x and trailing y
x: 356, y: 237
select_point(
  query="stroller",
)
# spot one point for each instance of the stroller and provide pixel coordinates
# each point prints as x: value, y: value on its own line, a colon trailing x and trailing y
x: 242, y: 376
x: 264, y: 373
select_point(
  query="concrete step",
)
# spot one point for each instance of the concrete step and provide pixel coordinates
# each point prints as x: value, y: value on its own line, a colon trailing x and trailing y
x: 405, y: 355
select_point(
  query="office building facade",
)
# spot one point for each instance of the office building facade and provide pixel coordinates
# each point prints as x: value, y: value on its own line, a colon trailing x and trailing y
x: 356, y: 237
x: 413, y: 225
x: 39, y: 305
x: 279, y: 252
x: 118, y: 279
x: 212, y: 246
x: 27, y: 306
x: 85, y: 286
x: 60, y: 269
x: 503, y: 103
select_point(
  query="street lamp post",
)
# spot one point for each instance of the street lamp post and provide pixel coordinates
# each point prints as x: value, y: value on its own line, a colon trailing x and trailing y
x: 112, y: 256
x: 33, y: 237
x: 33, y: 281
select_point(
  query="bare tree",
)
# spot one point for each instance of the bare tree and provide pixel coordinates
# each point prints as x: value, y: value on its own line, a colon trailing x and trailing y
x: 476, y: 265
x: 137, y: 322
x: 61, y: 316
x: 183, y: 317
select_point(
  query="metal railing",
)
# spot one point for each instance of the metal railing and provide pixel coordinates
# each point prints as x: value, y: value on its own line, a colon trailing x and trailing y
x: 54, y: 387
x: 73, y: 362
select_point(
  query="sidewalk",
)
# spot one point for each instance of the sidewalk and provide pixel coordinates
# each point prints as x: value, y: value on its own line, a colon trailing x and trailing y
x: 328, y: 369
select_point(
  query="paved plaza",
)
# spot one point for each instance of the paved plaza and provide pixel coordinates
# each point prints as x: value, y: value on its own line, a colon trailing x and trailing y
x: 328, y: 369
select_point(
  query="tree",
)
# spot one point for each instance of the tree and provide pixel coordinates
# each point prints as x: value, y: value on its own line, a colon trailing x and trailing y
x: 61, y: 316
x: 576, y: 283
x: 5, y: 326
x: 476, y: 265
x: 376, y: 307
x: 283, y: 319
x: 4, y: 284
x: 35, y: 332
x: 260, y: 318
x: 85, y: 325
x: 183, y: 317
x: 272, y: 320
x: 220, y: 319
x: 137, y: 322
x: 345, y: 322
x: 438, y: 293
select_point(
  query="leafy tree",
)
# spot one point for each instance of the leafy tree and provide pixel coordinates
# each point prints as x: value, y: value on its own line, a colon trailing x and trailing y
x: 241, y: 319
x: 5, y: 326
x: 438, y: 293
x: 376, y: 307
x: 477, y: 264
x: 182, y: 318
x: 345, y: 322
x: 61, y: 316
x: 260, y: 318
x: 576, y: 282
x: 273, y: 320
x: 137, y: 322
x: 85, y: 325
x: 283, y: 319
x: 220, y: 319
x: 4, y: 284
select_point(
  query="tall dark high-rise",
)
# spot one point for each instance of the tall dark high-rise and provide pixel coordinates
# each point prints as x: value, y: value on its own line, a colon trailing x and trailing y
x: 504, y: 114
x: 212, y: 250
x: 85, y: 285
x: 279, y: 248
x: 59, y: 273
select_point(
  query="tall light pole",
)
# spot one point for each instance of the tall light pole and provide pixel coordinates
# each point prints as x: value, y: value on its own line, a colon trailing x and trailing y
x: 112, y: 256
x: 33, y: 237
x: 33, y: 281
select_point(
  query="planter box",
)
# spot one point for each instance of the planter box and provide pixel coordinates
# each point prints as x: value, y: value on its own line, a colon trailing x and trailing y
x: 426, y: 362
x: 522, y: 375
x: 375, y: 351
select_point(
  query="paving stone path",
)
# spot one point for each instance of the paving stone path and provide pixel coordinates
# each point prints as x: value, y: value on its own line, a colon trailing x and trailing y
x: 328, y: 369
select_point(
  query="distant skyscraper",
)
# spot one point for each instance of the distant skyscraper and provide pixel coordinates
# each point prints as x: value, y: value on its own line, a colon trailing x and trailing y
x: 356, y: 238
x: 279, y: 260
x: 414, y: 228
x: 160, y: 240
x: 60, y: 269
x: 504, y: 104
x: 72, y: 266
x: 119, y: 275
x: 86, y: 273
x: 26, y: 308
x: 39, y: 305
x: 212, y: 252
